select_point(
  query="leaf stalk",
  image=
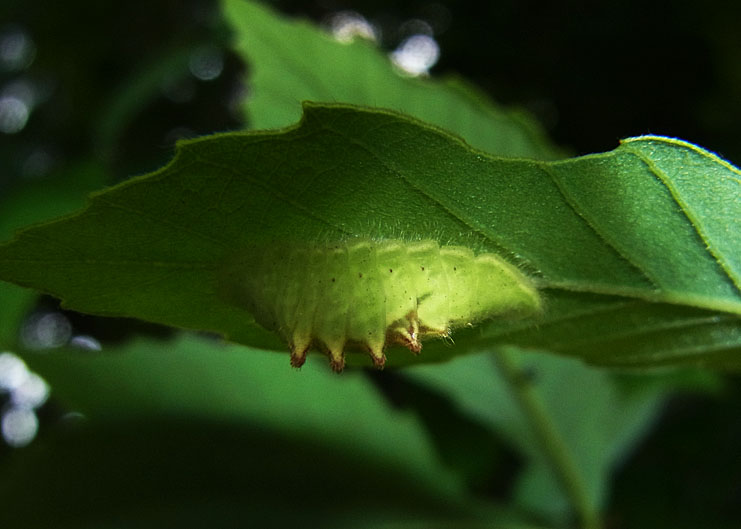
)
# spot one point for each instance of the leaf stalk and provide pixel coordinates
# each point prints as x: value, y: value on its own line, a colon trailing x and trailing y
x: 554, y: 447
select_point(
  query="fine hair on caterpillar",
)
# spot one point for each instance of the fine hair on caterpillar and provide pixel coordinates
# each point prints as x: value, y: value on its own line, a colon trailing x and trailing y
x: 366, y: 294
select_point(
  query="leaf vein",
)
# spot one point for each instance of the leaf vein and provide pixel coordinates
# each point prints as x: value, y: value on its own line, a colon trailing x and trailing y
x: 688, y: 212
x: 545, y: 167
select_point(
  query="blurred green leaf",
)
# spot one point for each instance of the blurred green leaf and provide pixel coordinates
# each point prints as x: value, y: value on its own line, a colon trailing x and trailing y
x: 200, y: 474
x: 176, y: 474
x: 197, y: 430
x: 598, y: 419
x: 291, y: 62
x: 196, y: 377
x: 628, y: 273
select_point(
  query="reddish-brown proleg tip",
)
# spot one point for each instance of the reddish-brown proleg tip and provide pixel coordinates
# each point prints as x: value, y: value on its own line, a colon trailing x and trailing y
x: 337, y: 365
x: 298, y: 358
x: 379, y: 361
x: 297, y: 361
x: 415, y: 347
x: 412, y: 343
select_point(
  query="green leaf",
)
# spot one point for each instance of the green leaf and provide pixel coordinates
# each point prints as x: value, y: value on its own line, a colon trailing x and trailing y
x: 587, y: 230
x: 34, y: 202
x: 195, y: 378
x: 598, y: 420
x: 205, y: 433
x: 290, y: 62
x: 183, y: 474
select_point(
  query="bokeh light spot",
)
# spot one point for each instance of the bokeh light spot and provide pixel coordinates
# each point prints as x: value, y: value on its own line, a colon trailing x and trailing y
x: 38, y: 163
x: 46, y: 331
x: 346, y: 26
x: 32, y: 393
x: 13, y: 372
x: 85, y: 342
x: 13, y: 114
x: 416, y: 55
x: 207, y: 63
x: 19, y: 426
x: 17, y: 50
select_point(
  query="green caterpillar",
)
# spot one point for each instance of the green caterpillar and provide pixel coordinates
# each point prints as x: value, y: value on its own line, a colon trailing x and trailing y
x: 367, y: 295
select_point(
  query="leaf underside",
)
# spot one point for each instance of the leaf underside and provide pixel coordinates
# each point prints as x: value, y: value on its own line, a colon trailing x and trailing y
x: 635, y: 264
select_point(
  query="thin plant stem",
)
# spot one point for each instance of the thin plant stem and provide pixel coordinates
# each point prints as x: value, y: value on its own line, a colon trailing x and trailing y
x: 555, y: 448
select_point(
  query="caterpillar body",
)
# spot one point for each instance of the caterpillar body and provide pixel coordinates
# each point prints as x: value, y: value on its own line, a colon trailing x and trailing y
x: 367, y: 295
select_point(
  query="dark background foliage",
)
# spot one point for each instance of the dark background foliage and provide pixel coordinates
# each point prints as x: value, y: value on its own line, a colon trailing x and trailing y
x: 591, y: 72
